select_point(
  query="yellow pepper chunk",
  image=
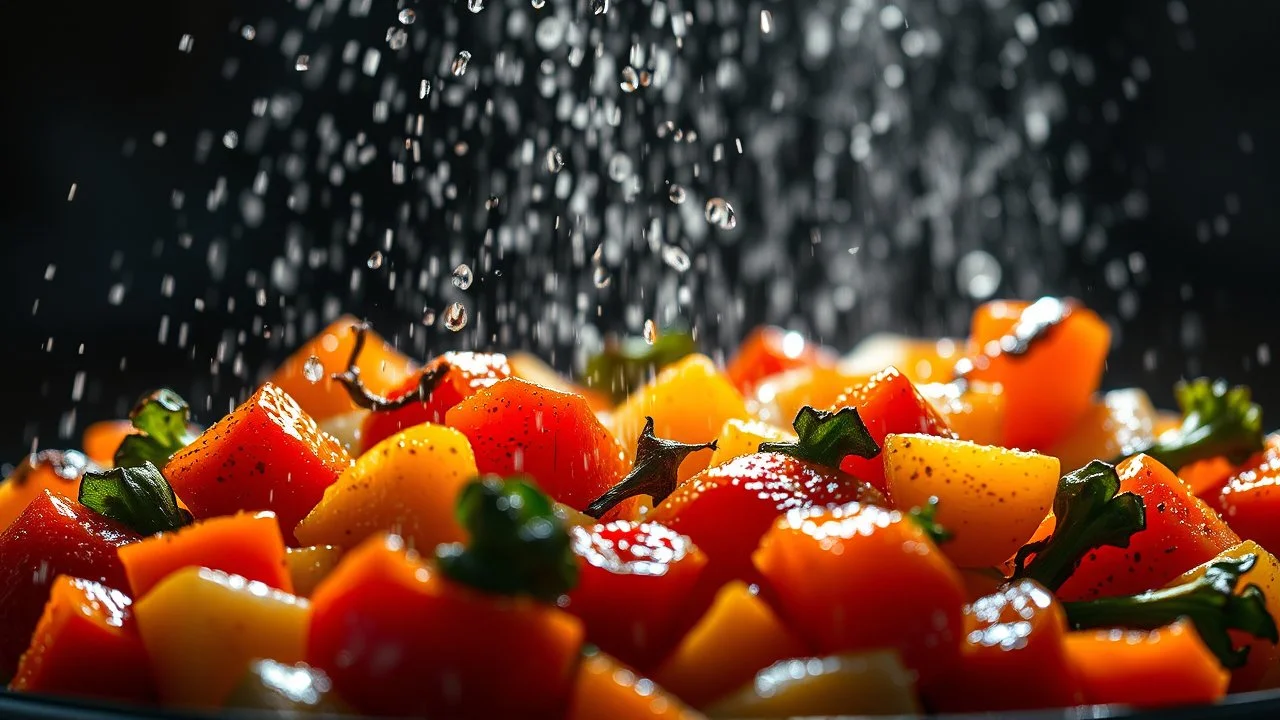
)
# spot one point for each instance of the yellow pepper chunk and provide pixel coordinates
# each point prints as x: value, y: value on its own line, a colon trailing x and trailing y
x: 737, y: 637
x: 309, y: 565
x: 867, y: 683
x: 689, y: 401
x: 202, y: 628
x: 407, y: 484
x: 743, y: 437
x: 992, y: 498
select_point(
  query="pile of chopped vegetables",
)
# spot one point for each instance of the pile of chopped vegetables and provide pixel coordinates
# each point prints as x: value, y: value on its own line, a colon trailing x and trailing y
x: 933, y: 525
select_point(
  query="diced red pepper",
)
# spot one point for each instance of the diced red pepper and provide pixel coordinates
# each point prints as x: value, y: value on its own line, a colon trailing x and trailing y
x: 638, y: 589
x: 516, y: 427
x: 727, y: 508
x: 888, y: 403
x: 1013, y: 657
x: 266, y: 455
x: 1181, y: 532
x: 397, y: 638
x: 1250, y: 499
x: 86, y: 644
x: 53, y: 536
x: 468, y: 373
x: 769, y: 350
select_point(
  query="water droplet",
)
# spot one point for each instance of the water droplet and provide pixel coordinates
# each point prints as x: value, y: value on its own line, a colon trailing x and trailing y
x: 475, y: 6
x: 650, y: 332
x: 248, y: 32
x: 630, y: 81
x: 677, y: 194
x: 396, y: 39
x: 230, y: 139
x: 313, y: 370
x: 720, y: 213
x: 186, y: 44
x: 555, y: 161
x: 375, y: 260
x: 303, y: 63
x: 766, y: 22
x: 407, y: 16
x: 455, y: 317
x: 675, y: 257
x: 600, y: 276
x: 428, y: 317
x: 599, y: 7
x: 462, y: 276
x: 460, y: 63
x: 619, y: 167
x: 539, y: 4
x: 424, y: 89
x: 978, y: 274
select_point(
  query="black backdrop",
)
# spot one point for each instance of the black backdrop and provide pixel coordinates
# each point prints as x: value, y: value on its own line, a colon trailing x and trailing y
x: 79, y: 80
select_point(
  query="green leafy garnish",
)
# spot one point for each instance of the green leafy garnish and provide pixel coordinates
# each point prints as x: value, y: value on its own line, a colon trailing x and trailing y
x: 518, y: 545
x: 1210, y: 602
x: 827, y: 438
x: 629, y: 363
x: 162, y: 419
x: 1089, y: 515
x: 926, y: 516
x: 655, y: 472
x: 137, y: 497
x: 1217, y: 421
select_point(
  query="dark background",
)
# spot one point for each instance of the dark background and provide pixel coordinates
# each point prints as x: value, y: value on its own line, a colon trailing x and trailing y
x: 1202, y: 143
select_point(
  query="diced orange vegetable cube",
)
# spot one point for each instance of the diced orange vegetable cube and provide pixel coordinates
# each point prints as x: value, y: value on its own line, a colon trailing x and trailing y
x: 382, y: 368
x: 54, y: 470
x: 101, y: 440
x: 736, y: 638
x: 1049, y: 388
x: 249, y: 545
x: 1140, y: 668
x: 86, y: 644
x: 605, y: 688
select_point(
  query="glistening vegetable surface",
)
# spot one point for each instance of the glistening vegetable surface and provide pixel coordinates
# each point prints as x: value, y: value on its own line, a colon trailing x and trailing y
x: 500, y: 541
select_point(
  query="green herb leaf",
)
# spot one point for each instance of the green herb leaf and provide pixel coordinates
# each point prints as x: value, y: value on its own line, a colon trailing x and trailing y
x: 827, y: 438
x: 926, y: 516
x: 629, y: 363
x: 162, y: 418
x: 1089, y: 515
x: 137, y: 497
x: 1210, y: 602
x: 655, y: 472
x: 1217, y: 421
x: 518, y: 545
